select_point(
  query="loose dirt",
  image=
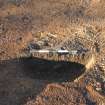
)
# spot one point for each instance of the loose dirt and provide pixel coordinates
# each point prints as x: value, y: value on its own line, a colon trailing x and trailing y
x: 43, y: 24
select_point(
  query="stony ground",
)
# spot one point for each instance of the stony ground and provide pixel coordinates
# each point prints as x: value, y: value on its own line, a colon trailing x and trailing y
x: 67, y: 24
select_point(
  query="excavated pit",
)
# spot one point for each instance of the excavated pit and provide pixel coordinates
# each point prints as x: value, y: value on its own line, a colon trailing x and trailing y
x: 52, y: 71
x: 24, y: 77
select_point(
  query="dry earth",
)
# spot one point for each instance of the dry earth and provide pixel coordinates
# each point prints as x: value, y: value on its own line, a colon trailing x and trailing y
x: 71, y: 24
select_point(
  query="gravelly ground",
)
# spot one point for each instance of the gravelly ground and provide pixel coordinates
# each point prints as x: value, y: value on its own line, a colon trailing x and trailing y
x: 79, y: 24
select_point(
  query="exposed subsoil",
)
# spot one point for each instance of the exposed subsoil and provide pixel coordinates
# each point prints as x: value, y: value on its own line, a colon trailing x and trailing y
x: 52, y: 24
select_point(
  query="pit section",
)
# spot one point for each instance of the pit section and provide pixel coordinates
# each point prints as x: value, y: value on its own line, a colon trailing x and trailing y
x: 50, y: 70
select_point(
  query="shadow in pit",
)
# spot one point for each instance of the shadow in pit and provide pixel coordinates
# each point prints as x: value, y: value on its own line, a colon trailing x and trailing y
x: 52, y: 71
x: 27, y: 77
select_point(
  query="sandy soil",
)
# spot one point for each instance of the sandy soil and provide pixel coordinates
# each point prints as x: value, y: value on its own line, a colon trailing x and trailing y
x: 36, y: 81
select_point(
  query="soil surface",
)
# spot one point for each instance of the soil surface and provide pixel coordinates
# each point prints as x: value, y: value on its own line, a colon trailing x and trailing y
x: 52, y: 24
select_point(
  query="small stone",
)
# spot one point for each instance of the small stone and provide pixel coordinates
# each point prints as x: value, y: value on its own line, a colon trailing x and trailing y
x: 98, y: 86
x: 90, y: 32
x: 52, y: 35
x: 34, y: 46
